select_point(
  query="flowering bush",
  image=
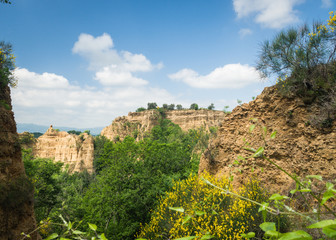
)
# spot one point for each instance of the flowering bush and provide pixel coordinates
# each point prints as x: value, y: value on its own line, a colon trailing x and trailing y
x: 194, y: 208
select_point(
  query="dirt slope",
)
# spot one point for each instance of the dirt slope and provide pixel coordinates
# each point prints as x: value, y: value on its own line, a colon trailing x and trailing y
x: 298, y: 147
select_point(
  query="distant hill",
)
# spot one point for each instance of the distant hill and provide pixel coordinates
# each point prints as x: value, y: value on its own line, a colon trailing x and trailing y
x: 29, y: 127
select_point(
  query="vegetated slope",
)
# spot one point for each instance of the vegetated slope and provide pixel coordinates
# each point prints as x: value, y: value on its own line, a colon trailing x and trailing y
x: 16, y: 191
x: 76, y: 151
x: 137, y: 124
x: 305, y: 143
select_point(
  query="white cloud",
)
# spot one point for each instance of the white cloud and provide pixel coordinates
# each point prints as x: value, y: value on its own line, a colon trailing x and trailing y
x: 229, y: 76
x: 111, y: 76
x: 244, y: 32
x: 112, y: 67
x: 51, y: 99
x: 45, y: 80
x: 326, y: 3
x: 270, y: 13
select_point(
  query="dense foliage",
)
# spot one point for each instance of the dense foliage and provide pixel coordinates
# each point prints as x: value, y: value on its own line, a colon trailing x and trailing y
x: 7, y: 65
x: 129, y: 178
x: 303, y: 59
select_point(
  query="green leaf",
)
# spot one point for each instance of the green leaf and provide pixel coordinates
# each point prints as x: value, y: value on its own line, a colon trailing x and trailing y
x: 186, y: 238
x: 329, y: 185
x: 102, y: 236
x: 273, y: 134
x: 92, y: 226
x: 259, y: 152
x: 65, y: 222
x: 241, y: 158
x: 327, y: 195
x: 296, y: 236
x: 236, y: 162
x: 252, y: 127
x: 248, y: 235
x: 265, y: 130
x: 304, y: 190
x: 199, y: 213
x: 77, y: 232
x: 263, y: 207
x: 318, y: 177
x: 272, y: 234
x: 277, y: 197
x: 323, y: 224
x: 69, y: 225
x: 52, y: 236
x: 267, y: 226
x: 329, y: 232
x: 206, y: 236
x: 177, y: 209
x: 293, y: 191
x: 186, y: 219
x: 213, y: 212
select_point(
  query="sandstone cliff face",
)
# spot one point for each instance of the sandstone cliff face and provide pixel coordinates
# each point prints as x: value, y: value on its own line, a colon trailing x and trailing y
x: 137, y: 124
x: 298, y: 147
x: 76, y: 151
x: 16, y: 192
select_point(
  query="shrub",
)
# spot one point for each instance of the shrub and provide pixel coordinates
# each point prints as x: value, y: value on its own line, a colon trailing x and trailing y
x: 201, y: 209
x: 303, y: 59
x: 140, y: 109
x: 194, y: 106
x: 7, y: 65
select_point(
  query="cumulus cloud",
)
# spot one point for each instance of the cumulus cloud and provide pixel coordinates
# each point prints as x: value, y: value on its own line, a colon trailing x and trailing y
x: 49, y: 98
x: 270, y: 13
x: 44, y: 80
x: 244, y: 32
x: 112, y: 68
x: 229, y: 76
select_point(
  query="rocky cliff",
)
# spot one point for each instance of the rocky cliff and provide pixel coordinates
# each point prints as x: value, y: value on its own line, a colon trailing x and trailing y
x: 16, y: 191
x: 136, y: 124
x: 299, y: 147
x: 73, y: 150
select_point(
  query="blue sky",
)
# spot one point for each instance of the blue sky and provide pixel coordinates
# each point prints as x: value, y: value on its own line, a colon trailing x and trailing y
x: 84, y: 63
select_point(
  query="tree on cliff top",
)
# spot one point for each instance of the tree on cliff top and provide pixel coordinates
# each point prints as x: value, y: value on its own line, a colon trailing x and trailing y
x: 303, y: 59
x: 7, y: 65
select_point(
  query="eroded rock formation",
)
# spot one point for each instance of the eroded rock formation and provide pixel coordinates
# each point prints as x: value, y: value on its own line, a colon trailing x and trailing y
x: 73, y: 150
x: 16, y: 191
x: 137, y: 124
x: 299, y: 147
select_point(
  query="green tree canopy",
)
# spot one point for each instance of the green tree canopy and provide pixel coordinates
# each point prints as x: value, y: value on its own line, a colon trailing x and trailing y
x: 194, y: 106
x: 302, y: 58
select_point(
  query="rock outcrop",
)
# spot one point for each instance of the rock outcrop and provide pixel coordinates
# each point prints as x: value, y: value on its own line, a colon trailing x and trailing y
x: 136, y: 124
x: 16, y: 191
x: 298, y: 147
x: 73, y: 150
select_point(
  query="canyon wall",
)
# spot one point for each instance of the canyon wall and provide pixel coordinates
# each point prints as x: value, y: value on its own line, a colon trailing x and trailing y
x: 73, y: 150
x: 136, y: 124
x: 16, y: 190
x: 304, y: 143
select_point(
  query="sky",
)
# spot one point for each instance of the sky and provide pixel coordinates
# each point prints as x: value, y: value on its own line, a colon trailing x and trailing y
x: 83, y: 63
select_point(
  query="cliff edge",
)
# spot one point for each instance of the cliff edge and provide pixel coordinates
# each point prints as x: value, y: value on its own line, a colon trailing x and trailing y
x: 16, y: 191
x: 136, y: 124
x: 70, y: 149
x: 299, y: 147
